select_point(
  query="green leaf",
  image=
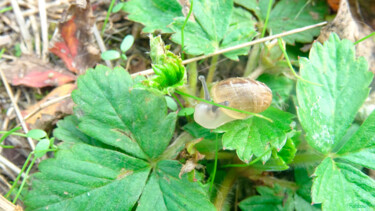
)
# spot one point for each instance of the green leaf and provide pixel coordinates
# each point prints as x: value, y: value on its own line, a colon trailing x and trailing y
x: 118, y: 7
x: 197, y: 41
x: 292, y: 14
x: 360, y: 148
x: 301, y: 204
x: 241, y: 29
x: 213, y: 16
x: 68, y: 131
x: 36, y: 134
x: 339, y: 186
x: 83, y: 177
x: 127, y: 43
x: 166, y: 191
x: 217, y: 26
x: 281, y: 87
x: 327, y: 111
x: 269, y: 199
x: 154, y: 14
x: 171, y: 104
x: 41, y: 148
x: 250, y: 5
x: 253, y: 136
x: 112, y: 113
x: 186, y: 112
x: 288, y: 152
x: 168, y: 68
x: 258, y: 7
x: 110, y: 55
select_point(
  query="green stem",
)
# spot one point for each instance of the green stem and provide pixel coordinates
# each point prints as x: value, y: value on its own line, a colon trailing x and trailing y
x: 252, y: 60
x: 225, y: 188
x: 178, y: 101
x: 172, y: 151
x: 24, y: 180
x: 2, y: 52
x: 107, y: 16
x: 6, y: 9
x: 7, y: 133
x: 364, y: 38
x: 18, y: 176
x: 182, y: 30
x: 215, y: 166
x: 290, y: 64
x: 270, y: 181
x: 192, y: 77
x: 267, y: 18
x: 223, y: 106
x: 212, y: 69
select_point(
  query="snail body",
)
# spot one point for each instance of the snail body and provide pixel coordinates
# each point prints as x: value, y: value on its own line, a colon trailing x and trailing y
x: 240, y: 93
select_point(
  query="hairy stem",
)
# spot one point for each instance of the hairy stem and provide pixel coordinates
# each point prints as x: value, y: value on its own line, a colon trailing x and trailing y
x: 211, y: 71
x: 225, y: 188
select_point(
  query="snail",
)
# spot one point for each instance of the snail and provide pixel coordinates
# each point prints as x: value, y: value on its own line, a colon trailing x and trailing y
x: 240, y: 93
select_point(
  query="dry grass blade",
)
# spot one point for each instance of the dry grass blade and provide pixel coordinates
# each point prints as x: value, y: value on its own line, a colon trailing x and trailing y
x: 247, y: 44
x: 18, y: 112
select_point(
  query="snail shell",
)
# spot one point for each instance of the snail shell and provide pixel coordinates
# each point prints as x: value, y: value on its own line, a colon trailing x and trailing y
x: 244, y: 94
x: 240, y: 93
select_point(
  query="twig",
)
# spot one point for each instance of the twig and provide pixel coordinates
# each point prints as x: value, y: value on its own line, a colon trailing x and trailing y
x: 243, y: 45
x: 101, y: 44
x: 44, y: 26
x: 21, y: 22
x: 46, y: 104
x: 10, y: 165
x: 18, y: 112
x: 35, y: 28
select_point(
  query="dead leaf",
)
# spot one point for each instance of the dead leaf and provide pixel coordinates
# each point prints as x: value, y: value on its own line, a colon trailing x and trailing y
x: 349, y: 24
x: 48, y: 115
x: 33, y: 72
x: 74, y: 42
x: 334, y: 4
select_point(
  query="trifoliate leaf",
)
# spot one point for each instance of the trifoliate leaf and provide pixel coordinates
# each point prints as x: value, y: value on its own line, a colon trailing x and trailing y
x: 116, y: 114
x: 292, y: 14
x: 166, y: 191
x: 154, y: 14
x: 339, y: 186
x: 217, y: 26
x: 253, y: 136
x: 360, y: 148
x: 327, y: 111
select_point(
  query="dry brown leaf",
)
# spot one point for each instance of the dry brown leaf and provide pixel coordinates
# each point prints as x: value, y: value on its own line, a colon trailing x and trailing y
x: 349, y: 24
x: 49, y: 115
x: 74, y: 42
x: 33, y: 72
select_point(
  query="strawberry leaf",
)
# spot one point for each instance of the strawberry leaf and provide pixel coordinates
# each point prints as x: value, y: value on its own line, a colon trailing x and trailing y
x: 327, y: 111
x: 116, y: 119
x: 339, y: 186
x: 154, y: 14
x: 254, y: 136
